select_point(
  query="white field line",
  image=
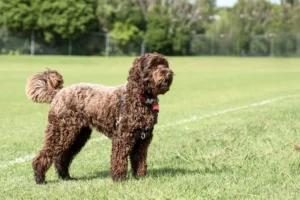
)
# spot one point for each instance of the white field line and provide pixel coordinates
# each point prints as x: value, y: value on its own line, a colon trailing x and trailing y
x: 194, y: 118
x: 31, y: 156
x: 18, y: 160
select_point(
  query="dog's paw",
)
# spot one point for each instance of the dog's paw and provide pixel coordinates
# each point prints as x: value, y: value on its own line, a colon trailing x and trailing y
x: 139, y: 174
x: 118, y: 178
x: 41, y: 182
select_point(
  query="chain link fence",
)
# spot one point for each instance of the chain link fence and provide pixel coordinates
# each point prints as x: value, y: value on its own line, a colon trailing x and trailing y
x: 274, y: 45
x: 101, y: 44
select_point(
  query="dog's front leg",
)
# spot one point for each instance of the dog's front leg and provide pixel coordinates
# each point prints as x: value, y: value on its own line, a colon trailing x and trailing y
x: 119, y: 157
x: 138, y: 156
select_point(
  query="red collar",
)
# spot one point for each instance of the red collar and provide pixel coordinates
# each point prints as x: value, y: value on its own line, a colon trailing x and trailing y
x: 153, y: 101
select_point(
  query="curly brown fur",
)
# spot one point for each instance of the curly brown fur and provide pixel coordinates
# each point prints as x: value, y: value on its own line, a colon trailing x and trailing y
x: 42, y: 87
x: 117, y: 112
x: 63, y: 162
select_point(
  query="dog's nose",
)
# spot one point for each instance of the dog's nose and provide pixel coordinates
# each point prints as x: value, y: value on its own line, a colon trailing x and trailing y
x: 169, y: 74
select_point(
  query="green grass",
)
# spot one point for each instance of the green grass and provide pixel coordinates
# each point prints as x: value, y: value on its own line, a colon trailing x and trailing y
x: 243, y: 154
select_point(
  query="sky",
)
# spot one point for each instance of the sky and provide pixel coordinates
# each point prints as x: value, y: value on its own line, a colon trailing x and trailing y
x: 232, y: 2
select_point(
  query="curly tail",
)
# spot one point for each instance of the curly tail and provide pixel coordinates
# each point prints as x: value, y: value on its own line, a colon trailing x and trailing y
x: 42, y: 87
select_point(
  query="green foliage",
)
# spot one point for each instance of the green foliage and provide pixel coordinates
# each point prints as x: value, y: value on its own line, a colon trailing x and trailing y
x: 157, y: 37
x: 207, y: 8
x: 66, y: 18
x: 19, y: 15
x: 109, y: 12
x: 126, y: 34
x: 250, y: 17
x: 241, y: 24
x: 222, y: 32
x: 124, y: 22
x: 180, y: 40
x: 106, y: 13
x: 291, y: 18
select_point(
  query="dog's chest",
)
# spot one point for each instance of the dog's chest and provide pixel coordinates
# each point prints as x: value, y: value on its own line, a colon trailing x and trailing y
x: 145, y: 118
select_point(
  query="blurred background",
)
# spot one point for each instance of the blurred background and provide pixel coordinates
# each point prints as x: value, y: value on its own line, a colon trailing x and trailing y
x: 132, y: 27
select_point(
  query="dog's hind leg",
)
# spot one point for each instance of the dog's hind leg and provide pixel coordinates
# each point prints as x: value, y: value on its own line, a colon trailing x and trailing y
x: 138, y: 157
x: 63, y: 161
x: 41, y: 163
x: 59, y: 136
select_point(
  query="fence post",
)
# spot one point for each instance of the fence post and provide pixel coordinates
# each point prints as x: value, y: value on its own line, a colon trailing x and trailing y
x: 142, y: 47
x: 212, y: 44
x: 70, y: 47
x: 32, y: 43
x: 107, y: 44
x: 271, y: 35
x: 298, y: 44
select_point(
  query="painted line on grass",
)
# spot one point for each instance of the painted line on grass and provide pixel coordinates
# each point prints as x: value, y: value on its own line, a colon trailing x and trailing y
x: 31, y: 156
x: 194, y: 118
x: 18, y: 160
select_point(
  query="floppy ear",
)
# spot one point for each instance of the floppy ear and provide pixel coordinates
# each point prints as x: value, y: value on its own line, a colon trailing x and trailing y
x: 142, y: 61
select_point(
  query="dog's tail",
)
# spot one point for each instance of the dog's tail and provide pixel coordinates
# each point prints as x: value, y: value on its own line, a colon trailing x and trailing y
x: 42, y: 87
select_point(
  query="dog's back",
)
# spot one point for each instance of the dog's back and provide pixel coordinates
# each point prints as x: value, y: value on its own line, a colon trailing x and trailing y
x: 87, y: 97
x: 91, y: 105
x: 97, y: 105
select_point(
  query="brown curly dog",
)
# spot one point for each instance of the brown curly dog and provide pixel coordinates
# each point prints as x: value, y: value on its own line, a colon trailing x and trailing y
x: 126, y: 114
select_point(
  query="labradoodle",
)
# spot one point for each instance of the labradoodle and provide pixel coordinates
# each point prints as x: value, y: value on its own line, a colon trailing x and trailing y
x: 126, y: 114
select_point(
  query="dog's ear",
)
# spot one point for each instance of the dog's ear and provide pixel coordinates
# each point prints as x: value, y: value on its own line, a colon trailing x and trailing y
x: 142, y: 62
x: 142, y: 65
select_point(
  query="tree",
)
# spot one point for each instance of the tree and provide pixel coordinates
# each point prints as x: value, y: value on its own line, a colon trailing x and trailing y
x: 19, y: 15
x: 124, y: 22
x: 289, y: 2
x: 157, y: 37
x: 189, y: 17
x: 146, y: 5
x: 68, y: 19
x: 127, y: 36
x: 291, y: 15
x: 109, y: 12
x: 170, y: 23
x: 222, y: 34
x: 250, y: 17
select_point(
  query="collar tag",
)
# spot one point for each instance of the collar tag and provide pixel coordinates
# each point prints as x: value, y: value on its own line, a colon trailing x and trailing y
x: 153, y: 102
x: 149, y: 101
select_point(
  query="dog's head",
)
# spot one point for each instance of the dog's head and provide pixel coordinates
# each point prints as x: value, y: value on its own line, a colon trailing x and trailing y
x: 151, y: 74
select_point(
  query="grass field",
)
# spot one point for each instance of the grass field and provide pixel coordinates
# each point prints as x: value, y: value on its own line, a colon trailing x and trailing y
x: 226, y: 130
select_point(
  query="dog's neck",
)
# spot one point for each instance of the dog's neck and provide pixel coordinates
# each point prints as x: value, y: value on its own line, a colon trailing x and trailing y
x: 136, y: 90
x: 150, y: 100
x: 146, y: 95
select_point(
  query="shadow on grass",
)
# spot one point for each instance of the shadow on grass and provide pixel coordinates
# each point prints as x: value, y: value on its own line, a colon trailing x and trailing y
x: 161, y: 172
x: 166, y: 171
x: 181, y: 171
x: 96, y: 175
